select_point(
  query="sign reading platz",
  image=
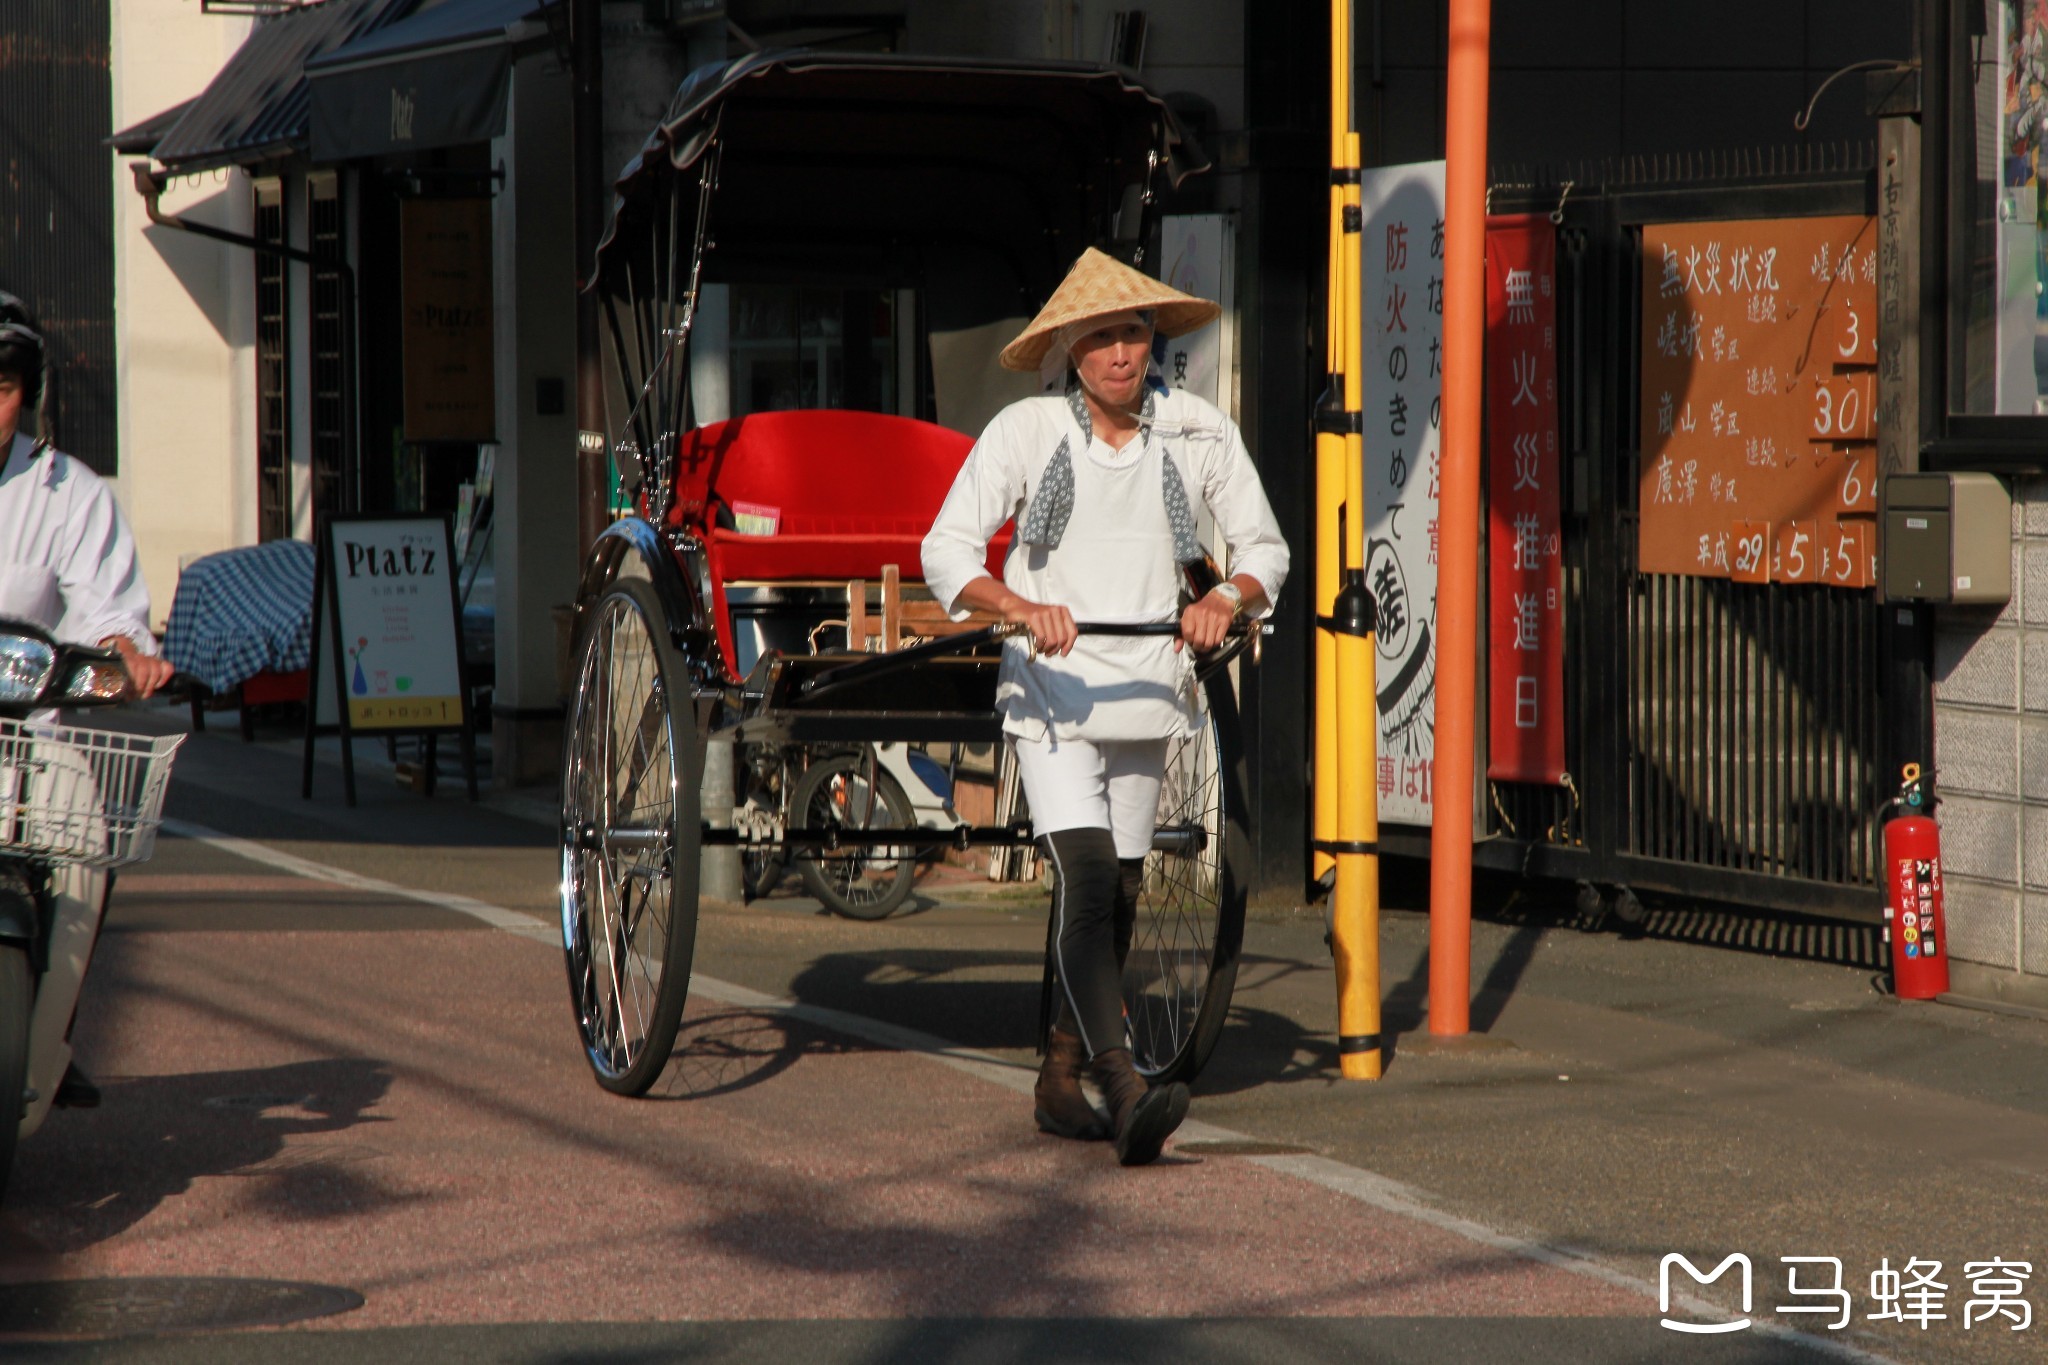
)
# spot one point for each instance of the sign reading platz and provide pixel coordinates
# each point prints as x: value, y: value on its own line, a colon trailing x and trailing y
x: 396, y: 640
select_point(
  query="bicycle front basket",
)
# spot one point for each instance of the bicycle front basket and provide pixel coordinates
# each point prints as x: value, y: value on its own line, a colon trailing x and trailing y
x: 74, y: 795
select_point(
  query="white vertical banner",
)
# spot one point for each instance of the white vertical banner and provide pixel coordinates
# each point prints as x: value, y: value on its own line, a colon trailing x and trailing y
x: 1195, y: 258
x: 1403, y: 252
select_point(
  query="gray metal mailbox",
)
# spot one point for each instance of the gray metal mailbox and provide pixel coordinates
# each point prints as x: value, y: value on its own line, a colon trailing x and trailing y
x: 1947, y: 538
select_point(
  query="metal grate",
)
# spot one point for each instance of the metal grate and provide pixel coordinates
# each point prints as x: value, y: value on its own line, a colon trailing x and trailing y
x: 57, y: 211
x: 1753, y: 727
x: 273, y: 372
x: 333, y: 479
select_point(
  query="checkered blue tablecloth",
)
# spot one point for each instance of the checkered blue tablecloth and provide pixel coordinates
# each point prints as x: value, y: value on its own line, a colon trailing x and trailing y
x: 239, y: 612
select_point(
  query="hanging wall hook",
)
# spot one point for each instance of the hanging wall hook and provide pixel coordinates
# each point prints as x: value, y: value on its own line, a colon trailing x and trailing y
x: 1564, y: 193
x: 1805, y: 116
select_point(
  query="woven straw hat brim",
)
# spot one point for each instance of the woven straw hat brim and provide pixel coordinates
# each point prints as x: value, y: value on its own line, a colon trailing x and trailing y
x: 1099, y: 285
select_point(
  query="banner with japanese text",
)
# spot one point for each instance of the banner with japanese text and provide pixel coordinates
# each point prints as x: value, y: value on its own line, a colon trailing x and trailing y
x: 1404, y: 316
x: 1525, y: 513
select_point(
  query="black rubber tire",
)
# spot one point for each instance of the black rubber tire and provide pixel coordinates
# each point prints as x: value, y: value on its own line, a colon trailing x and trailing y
x: 628, y: 1055
x: 1183, y: 961
x: 812, y: 807
x: 17, y: 999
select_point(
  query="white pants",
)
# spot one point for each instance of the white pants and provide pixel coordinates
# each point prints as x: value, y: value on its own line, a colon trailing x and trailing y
x: 1110, y: 784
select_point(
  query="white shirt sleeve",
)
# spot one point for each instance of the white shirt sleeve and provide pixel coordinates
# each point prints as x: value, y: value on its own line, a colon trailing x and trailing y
x: 987, y: 492
x: 99, y: 573
x: 1236, y: 498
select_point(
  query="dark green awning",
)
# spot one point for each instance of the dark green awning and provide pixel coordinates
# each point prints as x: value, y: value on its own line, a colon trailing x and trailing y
x: 437, y: 79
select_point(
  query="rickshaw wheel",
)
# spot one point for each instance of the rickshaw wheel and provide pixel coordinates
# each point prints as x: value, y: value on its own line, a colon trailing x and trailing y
x: 859, y: 883
x: 1182, y: 964
x: 631, y: 840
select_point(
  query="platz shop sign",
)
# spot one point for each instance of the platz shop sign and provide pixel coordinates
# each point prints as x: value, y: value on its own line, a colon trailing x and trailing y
x: 388, y: 634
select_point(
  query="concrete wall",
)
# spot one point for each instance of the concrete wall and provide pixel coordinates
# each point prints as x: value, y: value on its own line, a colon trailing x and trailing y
x: 182, y: 314
x: 1991, y: 763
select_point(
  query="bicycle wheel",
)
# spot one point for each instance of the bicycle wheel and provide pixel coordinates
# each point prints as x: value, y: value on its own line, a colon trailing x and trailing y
x: 631, y: 840
x: 1190, y: 920
x: 17, y: 990
x: 858, y: 882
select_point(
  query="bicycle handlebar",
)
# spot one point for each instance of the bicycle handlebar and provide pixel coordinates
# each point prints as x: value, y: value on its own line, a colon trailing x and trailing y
x: 873, y: 664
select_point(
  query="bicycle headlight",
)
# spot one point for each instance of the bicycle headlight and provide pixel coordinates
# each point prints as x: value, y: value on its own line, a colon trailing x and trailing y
x: 95, y: 680
x: 25, y: 667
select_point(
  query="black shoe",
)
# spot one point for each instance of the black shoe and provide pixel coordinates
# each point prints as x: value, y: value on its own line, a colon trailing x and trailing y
x: 1151, y: 1123
x: 75, y: 1091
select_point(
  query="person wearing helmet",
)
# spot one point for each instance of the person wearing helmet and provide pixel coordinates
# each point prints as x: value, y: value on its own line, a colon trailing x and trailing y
x: 67, y: 557
x: 1102, y: 481
x: 68, y: 565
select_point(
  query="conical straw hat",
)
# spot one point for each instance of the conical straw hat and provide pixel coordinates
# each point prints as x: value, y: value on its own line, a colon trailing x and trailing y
x: 1097, y: 286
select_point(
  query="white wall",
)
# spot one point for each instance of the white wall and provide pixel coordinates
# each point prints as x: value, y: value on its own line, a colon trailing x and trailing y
x: 182, y: 313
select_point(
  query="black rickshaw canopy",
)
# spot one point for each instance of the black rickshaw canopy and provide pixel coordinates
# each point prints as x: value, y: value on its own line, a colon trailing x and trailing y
x: 831, y: 161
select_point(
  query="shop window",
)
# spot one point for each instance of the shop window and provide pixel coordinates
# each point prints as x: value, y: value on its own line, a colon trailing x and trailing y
x: 333, y: 479
x: 1998, y: 363
x: 807, y: 347
x: 273, y: 374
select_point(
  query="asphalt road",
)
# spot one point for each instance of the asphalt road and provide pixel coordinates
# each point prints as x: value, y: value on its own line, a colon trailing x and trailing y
x: 341, y: 1080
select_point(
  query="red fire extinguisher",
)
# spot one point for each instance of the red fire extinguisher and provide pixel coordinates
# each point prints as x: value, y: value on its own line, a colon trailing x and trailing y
x: 1914, y: 924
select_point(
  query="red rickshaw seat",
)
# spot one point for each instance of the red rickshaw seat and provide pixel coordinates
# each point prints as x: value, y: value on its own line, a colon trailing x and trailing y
x: 849, y: 491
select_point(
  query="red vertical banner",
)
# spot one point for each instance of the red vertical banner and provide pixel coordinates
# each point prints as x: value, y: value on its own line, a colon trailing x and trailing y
x: 1525, y: 588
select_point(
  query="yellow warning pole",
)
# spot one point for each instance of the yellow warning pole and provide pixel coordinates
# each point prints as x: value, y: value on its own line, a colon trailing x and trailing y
x: 1330, y: 426
x: 1355, y: 921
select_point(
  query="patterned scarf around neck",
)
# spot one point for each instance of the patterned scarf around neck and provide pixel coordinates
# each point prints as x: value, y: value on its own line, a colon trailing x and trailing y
x: 1045, y: 519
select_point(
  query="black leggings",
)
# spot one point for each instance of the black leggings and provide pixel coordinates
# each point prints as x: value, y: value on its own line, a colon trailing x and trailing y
x: 1094, y: 906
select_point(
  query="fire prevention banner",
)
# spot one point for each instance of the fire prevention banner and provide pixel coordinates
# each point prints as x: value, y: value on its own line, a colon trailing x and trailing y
x: 1525, y: 600
x: 1404, y: 329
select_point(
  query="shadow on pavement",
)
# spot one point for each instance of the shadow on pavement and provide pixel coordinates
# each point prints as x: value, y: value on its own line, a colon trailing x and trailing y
x: 90, y: 1174
x: 974, y: 999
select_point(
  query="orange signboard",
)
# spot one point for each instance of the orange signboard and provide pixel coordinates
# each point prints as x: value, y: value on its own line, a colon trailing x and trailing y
x: 1759, y: 433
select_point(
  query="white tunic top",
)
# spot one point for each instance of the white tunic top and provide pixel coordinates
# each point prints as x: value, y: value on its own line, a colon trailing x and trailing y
x: 67, y: 558
x: 1114, y: 563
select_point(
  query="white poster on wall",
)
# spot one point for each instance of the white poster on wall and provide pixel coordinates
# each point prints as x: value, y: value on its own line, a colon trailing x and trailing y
x: 1195, y: 257
x: 1403, y: 252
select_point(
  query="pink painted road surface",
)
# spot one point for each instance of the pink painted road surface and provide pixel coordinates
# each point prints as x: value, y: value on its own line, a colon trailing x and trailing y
x: 405, y: 1113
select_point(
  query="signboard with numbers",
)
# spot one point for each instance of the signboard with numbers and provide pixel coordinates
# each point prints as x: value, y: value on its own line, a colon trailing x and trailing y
x: 1759, y: 421
x: 1404, y: 328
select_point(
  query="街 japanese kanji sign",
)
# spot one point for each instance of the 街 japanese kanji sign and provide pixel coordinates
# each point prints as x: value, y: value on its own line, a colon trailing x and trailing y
x: 1525, y: 613
x: 1404, y: 317
x: 1759, y: 429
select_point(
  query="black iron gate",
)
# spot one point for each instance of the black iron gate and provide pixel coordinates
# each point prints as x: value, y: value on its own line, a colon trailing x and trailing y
x: 1723, y: 738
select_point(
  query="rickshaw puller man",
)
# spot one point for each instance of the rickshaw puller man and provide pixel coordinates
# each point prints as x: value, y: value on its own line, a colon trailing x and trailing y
x: 1101, y: 481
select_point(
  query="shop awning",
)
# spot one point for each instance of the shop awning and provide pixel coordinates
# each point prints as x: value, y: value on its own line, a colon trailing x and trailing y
x: 255, y: 109
x: 437, y: 79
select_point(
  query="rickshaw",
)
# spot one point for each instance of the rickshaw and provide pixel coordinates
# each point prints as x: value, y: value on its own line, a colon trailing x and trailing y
x: 897, y: 169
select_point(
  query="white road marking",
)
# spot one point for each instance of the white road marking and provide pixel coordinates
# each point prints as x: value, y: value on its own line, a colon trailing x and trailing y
x: 1353, y: 1182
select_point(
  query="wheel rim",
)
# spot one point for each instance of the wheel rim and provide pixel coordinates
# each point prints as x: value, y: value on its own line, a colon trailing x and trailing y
x: 1173, y: 941
x: 848, y: 799
x: 619, y: 838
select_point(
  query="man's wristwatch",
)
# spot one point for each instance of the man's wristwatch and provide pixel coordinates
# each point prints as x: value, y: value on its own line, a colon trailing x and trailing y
x: 1232, y: 594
